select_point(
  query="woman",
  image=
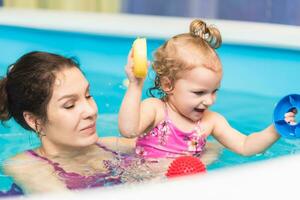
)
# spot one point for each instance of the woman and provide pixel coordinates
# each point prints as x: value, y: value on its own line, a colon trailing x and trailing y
x: 48, y: 94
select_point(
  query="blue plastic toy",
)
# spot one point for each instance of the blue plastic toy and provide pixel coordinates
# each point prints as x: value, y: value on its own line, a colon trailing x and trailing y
x: 289, y: 103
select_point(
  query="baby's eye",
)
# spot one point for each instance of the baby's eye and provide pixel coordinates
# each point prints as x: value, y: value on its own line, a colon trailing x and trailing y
x: 216, y: 90
x: 199, y: 92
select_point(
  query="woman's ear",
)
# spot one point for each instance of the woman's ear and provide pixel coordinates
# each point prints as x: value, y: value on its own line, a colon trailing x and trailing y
x: 166, y: 85
x: 32, y: 121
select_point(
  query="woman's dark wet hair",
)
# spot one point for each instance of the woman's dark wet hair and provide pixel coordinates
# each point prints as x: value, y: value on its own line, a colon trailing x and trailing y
x: 28, y: 86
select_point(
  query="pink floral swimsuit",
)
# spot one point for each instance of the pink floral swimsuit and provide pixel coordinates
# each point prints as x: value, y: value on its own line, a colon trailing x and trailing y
x: 167, y: 141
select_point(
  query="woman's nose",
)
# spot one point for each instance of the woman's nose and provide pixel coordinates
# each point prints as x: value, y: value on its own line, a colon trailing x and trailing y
x: 90, y: 109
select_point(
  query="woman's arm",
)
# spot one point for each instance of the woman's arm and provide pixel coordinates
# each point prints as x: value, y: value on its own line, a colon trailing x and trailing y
x: 119, y: 144
x: 240, y: 143
x: 32, y: 175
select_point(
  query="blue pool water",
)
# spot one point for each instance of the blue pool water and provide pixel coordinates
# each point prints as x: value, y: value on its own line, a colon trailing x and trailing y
x: 254, y: 80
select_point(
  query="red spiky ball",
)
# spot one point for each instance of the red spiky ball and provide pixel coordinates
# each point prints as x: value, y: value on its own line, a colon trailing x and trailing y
x: 185, y: 165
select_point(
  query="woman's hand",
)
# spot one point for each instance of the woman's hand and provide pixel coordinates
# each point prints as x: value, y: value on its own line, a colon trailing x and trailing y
x: 289, y: 117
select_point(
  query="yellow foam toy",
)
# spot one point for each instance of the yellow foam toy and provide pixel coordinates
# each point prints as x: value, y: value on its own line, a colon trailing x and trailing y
x: 139, y: 48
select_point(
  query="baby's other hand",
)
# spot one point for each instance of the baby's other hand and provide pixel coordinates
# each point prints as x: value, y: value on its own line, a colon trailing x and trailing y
x: 289, y: 117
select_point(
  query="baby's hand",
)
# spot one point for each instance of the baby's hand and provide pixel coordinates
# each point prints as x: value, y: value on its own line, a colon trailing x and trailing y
x: 129, y: 69
x: 289, y: 117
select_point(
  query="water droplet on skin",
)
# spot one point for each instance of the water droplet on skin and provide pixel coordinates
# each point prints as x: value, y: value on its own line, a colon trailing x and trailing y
x: 125, y: 82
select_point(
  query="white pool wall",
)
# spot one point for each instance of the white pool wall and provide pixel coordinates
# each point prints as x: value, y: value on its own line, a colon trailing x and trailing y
x: 273, y: 35
x: 272, y: 179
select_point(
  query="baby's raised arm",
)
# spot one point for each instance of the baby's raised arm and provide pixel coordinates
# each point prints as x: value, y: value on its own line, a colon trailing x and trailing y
x: 135, y: 116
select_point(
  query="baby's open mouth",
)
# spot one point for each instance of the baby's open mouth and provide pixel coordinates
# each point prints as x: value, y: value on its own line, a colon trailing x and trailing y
x: 199, y: 110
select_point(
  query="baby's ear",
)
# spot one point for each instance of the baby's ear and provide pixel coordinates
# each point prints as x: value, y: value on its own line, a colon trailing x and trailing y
x: 32, y: 121
x: 166, y: 84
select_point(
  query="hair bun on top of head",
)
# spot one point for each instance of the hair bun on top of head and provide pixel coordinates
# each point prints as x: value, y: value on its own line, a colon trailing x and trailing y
x: 210, y: 34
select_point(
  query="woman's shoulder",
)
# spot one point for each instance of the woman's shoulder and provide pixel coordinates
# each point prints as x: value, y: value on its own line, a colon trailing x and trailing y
x: 10, y: 163
x: 30, y: 173
x: 20, y: 163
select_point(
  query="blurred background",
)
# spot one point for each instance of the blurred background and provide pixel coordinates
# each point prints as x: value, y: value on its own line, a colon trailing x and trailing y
x: 271, y: 11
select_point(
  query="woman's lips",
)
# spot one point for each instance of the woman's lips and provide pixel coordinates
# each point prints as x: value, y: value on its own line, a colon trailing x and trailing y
x: 89, y: 130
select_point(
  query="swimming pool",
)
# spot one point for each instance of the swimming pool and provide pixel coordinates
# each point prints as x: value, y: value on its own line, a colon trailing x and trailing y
x: 255, y: 78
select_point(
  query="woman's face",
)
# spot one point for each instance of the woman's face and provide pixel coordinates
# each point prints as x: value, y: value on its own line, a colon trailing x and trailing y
x: 71, y: 112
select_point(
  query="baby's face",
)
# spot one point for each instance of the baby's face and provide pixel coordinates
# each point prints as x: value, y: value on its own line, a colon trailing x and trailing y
x: 195, y: 92
x: 72, y: 112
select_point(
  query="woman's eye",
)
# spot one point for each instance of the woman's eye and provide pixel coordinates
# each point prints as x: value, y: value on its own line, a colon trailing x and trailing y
x: 88, y: 96
x: 69, y: 106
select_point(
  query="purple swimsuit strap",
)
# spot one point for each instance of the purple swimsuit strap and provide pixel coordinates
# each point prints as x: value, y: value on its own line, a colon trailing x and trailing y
x: 167, y: 118
x: 14, y: 190
x: 77, y: 181
x: 54, y: 164
x: 112, y: 151
x: 106, y: 149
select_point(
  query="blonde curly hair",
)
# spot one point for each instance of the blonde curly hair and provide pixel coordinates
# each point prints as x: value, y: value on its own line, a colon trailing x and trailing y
x: 185, y: 51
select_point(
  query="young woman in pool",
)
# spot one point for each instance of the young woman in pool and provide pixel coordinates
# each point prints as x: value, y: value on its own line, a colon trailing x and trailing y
x: 48, y: 94
x: 188, y: 76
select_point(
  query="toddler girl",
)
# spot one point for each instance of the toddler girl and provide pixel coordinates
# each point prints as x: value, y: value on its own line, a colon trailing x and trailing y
x: 188, y: 76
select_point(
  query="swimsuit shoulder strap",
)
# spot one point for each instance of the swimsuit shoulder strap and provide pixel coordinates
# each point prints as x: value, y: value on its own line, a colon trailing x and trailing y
x: 106, y: 149
x: 55, y: 165
x: 166, y: 117
x: 116, y: 153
